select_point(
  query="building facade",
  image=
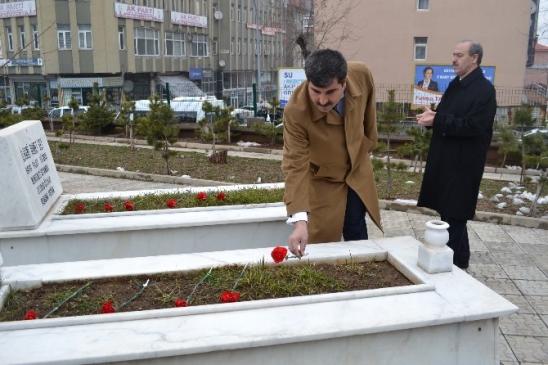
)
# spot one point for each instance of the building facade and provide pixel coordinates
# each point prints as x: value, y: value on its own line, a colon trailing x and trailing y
x: 61, y: 48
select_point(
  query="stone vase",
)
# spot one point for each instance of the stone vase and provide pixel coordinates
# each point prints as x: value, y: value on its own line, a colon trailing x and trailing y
x: 436, y: 234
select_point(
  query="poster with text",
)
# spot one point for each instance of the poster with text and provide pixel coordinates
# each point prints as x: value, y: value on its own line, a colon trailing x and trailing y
x: 289, y: 78
x: 431, y: 81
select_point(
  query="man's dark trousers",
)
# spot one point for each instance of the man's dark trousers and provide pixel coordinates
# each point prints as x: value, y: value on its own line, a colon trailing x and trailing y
x: 354, y: 227
x: 458, y: 241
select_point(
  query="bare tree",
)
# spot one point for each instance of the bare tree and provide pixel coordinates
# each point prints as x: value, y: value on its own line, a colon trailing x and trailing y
x: 313, y: 24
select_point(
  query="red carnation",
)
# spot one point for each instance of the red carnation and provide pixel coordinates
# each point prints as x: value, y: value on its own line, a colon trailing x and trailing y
x: 201, y: 196
x: 108, y: 208
x: 229, y: 297
x: 279, y: 254
x: 171, y: 203
x: 181, y: 303
x: 30, y: 315
x: 129, y: 205
x: 221, y: 196
x: 107, y: 308
x: 80, y: 208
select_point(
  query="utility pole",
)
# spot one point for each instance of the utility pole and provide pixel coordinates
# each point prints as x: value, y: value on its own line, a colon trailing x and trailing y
x: 257, y: 51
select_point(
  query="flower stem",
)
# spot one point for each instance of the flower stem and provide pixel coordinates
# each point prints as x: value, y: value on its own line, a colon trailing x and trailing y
x: 239, y: 277
x: 134, y: 297
x: 197, y: 285
x: 69, y: 298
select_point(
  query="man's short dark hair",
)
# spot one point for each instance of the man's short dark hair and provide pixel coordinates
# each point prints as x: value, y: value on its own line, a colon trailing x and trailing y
x: 426, y: 69
x: 324, y: 65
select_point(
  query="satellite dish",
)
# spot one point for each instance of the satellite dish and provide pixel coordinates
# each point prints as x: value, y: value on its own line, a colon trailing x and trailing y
x: 127, y: 86
x: 218, y: 15
x: 222, y: 63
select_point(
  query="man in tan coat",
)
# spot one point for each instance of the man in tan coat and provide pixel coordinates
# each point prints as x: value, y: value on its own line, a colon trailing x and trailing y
x: 329, y: 131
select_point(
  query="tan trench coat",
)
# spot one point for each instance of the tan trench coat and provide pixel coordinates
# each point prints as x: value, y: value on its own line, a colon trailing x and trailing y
x: 325, y: 153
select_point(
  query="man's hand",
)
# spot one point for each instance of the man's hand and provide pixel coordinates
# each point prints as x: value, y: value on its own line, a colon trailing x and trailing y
x: 298, y: 239
x: 426, y: 119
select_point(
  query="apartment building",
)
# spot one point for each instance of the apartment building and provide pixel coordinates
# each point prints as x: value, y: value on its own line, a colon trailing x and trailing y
x: 398, y: 38
x: 61, y: 48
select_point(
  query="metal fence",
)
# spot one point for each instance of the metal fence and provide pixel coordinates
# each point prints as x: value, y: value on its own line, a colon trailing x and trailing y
x: 507, y: 99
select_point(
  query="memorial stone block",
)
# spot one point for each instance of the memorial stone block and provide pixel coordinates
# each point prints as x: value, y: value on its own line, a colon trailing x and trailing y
x: 30, y: 185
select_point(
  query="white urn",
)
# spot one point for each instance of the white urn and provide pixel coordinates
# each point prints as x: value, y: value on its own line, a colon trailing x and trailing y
x: 436, y: 234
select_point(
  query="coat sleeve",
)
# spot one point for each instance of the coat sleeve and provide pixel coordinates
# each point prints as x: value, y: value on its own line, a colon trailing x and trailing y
x: 370, y: 115
x: 475, y: 122
x: 295, y: 162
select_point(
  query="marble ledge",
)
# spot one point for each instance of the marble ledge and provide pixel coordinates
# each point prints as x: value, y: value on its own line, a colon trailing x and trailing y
x: 232, y: 326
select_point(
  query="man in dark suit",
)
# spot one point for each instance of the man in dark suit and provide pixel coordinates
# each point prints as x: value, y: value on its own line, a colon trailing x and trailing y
x: 427, y: 83
x: 463, y: 128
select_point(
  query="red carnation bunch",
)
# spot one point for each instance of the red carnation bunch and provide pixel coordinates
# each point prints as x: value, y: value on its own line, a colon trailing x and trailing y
x: 30, y: 315
x: 108, y: 208
x: 129, y: 205
x: 221, y: 196
x: 279, y: 254
x: 107, y: 308
x: 201, y: 196
x: 181, y: 303
x: 79, y: 208
x: 229, y: 297
x: 171, y: 203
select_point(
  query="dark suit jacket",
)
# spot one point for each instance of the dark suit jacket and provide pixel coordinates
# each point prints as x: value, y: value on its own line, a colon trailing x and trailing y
x: 433, y: 86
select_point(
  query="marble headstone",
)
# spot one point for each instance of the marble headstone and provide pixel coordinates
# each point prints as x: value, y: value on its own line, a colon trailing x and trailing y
x: 30, y: 185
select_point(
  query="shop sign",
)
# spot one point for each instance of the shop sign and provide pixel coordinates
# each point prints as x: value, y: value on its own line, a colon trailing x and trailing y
x: 17, y: 9
x: 113, y: 81
x: 25, y: 62
x: 195, y: 73
x: 128, y: 11
x: 80, y: 82
x: 188, y: 19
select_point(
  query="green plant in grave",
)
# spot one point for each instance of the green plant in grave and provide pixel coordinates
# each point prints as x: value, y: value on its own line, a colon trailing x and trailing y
x: 157, y: 129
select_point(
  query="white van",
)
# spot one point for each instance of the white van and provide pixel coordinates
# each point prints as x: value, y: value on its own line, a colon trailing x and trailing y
x: 186, y: 110
x: 64, y: 110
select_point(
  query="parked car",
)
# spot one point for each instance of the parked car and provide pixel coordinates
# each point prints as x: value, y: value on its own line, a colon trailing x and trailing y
x: 64, y: 110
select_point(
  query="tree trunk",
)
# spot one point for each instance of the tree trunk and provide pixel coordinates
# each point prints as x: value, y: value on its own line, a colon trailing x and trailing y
x: 219, y: 157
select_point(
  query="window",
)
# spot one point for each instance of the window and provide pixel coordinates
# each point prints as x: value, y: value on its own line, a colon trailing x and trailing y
x: 64, y: 41
x: 182, y: 8
x: 121, y: 37
x: 204, y: 8
x: 244, y: 15
x: 173, y: 5
x: 232, y: 46
x: 145, y: 2
x: 244, y: 46
x: 238, y: 15
x: 420, y: 48
x: 423, y: 4
x: 198, y: 45
x: 175, y: 44
x: 147, y: 42
x: 10, y: 38
x: 84, y: 36
x: 232, y: 13
x: 307, y: 22
x: 215, y: 47
x: 239, y: 46
x: 35, y: 36
x: 22, y: 37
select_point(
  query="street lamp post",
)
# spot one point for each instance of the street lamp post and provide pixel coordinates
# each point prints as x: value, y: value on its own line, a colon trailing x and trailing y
x: 257, y: 50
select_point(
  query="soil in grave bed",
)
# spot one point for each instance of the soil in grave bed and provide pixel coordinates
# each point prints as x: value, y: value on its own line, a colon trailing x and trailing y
x: 254, y: 282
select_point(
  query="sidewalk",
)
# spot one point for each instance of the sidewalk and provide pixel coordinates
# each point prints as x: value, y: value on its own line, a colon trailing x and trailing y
x: 511, y: 260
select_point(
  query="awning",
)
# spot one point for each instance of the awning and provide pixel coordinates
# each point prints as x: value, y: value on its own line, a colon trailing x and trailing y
x: 180, y: 86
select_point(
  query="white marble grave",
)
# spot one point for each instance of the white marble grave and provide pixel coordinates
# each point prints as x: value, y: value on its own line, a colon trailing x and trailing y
x: 445, y: 318
x: 81, y: 237
x: 30, y: 184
